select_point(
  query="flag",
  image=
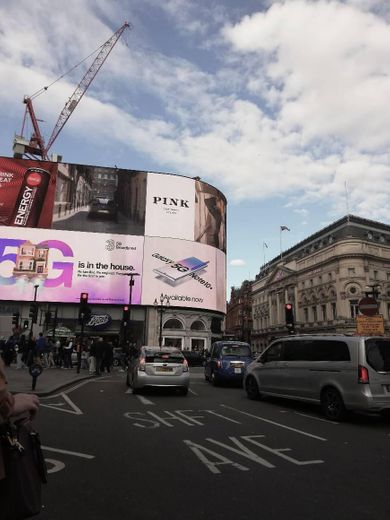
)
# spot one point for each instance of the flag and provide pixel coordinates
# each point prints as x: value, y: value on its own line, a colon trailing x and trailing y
x: 265, y: 245
x: 284, y: 228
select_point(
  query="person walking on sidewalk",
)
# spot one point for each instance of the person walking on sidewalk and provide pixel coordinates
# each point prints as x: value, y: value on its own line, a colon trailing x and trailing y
x: 41, y: 348
x: 79, y: 351
x: 68, y: 349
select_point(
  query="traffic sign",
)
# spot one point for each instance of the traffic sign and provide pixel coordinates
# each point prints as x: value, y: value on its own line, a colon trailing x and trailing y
x: 370, y: 325
x: 368, y: 306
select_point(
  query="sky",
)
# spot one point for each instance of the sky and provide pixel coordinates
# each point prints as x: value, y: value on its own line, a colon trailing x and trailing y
x: 282, y: 105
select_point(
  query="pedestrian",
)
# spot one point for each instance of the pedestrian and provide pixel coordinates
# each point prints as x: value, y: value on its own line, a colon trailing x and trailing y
x: 41, y: 346
x: 92, y: 358
x: 31, y: 350
x: 68, y: 349
x: 99, y: 348
x: 79, y: 351
x: 50, y: 353
x: 9, y: 351
x: 107, y: 357
x: 21, y: 354
x: 58, y: 353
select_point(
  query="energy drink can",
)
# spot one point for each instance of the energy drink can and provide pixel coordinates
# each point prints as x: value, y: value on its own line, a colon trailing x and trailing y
x: 31, y: 197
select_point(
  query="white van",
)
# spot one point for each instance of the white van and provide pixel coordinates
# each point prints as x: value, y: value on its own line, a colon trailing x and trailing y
x: 339, y: 372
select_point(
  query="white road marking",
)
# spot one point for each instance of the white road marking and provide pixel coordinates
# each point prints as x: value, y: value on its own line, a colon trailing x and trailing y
x: 55, y: 406
x: 201, y: 451
x: 275, y: 423
x: 57, y: 465
x: 144, y: 400
x: 67, y: 452
x: 316, y: 418
x: 192, y: 392
x: 222, y: 416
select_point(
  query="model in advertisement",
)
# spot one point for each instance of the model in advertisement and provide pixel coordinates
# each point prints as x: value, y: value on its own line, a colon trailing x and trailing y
x: 210, y: 216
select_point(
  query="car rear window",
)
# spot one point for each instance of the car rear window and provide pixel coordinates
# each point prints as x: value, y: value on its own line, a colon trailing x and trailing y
x: 236, y: 350
x: 163, y: 357
x: 378, y: 354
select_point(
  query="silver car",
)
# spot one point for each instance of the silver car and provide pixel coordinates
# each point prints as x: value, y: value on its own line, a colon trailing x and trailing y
x: 338, y: 372
x: 159, y: 367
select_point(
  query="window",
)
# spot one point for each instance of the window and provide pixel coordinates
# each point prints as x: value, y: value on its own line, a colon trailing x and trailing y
x: 334, y: 311
x: 316, y: 350
x: 306, y: 314
x: 378, y: 354
x: 354, y: 304
x: 173, y: 324
x: 375, y: 275
x: 351, y: 271
x: 173, y: 342
x: 274, y: 353
x: 323, y: 310
x: 197, y: 325
x: 198, y: 344
x: 314, y: 312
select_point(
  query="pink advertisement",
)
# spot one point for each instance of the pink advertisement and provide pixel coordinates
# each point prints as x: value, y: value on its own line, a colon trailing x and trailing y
x: 65, y: 263
x: 185, y: 271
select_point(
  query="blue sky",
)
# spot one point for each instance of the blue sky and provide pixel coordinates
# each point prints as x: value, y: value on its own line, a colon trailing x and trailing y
x: 281, y: 105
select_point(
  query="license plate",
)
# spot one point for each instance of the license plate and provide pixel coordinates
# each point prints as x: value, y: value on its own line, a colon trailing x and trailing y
x: 237, y: 370
x: 163, y: 369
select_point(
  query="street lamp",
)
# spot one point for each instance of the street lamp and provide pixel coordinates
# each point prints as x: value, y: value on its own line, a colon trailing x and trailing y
x: 131, y: 284
x: 33, y: 318
x: 160, y: 306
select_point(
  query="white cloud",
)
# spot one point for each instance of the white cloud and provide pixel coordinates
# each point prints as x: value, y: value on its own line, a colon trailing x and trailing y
x: 237, y: 263
x: 294, y: 105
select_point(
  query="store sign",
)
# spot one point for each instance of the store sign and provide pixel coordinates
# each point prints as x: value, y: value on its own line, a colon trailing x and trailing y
x: 370, y: 325
x: 99, y: 321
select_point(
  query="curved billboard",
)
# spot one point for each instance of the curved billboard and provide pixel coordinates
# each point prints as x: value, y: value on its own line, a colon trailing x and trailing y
x: 74, y: 228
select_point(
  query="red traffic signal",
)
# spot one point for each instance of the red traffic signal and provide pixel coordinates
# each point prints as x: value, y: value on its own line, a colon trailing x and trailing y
x: 126, y: 314
x: 288, y: 308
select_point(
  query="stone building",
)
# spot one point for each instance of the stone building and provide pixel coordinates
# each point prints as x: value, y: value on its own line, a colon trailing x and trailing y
x: 238, y: 322
x: 324, y: 277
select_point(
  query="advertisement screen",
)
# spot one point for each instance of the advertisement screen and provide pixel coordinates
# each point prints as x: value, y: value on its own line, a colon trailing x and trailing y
x: 184, y: 271
x: 72, y: 228
x: 65, y: 264
x: 26, y: 192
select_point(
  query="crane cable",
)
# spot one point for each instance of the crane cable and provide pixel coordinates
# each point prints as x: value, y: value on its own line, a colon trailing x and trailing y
x: 43, y: 89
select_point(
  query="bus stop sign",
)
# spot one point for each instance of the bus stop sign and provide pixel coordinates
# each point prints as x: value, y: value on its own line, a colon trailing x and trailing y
x: 368, y: 306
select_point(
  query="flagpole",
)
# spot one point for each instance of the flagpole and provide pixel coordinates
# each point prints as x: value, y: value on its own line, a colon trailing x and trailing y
x: 281, y: 253
x: 264, y: 252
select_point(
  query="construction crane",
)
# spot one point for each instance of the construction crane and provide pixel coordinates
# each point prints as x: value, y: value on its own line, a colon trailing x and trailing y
x: 35, y: 147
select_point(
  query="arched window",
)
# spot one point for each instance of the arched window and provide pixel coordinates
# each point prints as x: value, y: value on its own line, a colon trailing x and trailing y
x: 197, y: 325
x: 173, y: 324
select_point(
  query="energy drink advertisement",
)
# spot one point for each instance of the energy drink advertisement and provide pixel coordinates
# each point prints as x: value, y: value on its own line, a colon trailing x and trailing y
x: 27, y: 192
x: 31, y: 198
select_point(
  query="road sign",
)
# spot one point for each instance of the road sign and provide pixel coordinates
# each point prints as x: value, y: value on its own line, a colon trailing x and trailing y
x: 370, y: 325
x: 368, y: 306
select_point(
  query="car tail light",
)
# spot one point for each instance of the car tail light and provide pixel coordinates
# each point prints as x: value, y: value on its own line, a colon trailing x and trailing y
x: 219, y: 364
x: 363, y: 375
x: 185, y: 365
x: 142, y: 364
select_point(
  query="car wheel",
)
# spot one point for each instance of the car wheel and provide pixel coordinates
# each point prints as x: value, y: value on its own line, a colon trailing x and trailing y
x: 184, y: 390
x: 252, y: 388
x: 332, y: 404
x: 214, y: 379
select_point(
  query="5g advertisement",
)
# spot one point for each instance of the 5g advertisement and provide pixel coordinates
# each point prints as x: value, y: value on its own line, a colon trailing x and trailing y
x: 74, y: 228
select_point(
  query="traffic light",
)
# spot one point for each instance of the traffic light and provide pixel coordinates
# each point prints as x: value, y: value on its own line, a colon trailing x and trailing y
x: 126, y: 314
x: 33, y: 312
x: 25, y: 324
x: 84, y: 309
x: 289, y: 313
x: 15, y: 318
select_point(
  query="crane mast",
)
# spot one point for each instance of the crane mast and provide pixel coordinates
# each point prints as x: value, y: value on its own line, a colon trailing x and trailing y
x: 36, y: 146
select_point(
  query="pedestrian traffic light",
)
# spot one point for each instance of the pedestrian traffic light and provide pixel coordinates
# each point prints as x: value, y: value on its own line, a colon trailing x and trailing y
x: 84, y: 309
x: 289, y: 313
x: 126, y: 314
x: 15, y: 318
x: 25, y: 324
x: 34, y: 312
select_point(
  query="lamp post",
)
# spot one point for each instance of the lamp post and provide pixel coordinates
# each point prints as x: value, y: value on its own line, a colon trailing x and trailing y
x: 36, y: 287
x: 160, y: 306
x: 131, y: 284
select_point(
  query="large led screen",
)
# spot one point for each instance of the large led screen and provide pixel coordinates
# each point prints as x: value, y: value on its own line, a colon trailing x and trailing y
x: 74, y: 228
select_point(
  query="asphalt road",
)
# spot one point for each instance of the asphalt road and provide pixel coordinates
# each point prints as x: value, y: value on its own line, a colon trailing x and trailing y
x: 213, y: 454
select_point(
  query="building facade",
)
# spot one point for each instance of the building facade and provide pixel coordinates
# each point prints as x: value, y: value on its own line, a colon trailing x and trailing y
x: 238, y: 323
x: 324, y: 277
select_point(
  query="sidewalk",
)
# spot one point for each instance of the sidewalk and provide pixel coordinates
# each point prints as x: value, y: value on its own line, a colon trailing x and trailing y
x: 50, y: 381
